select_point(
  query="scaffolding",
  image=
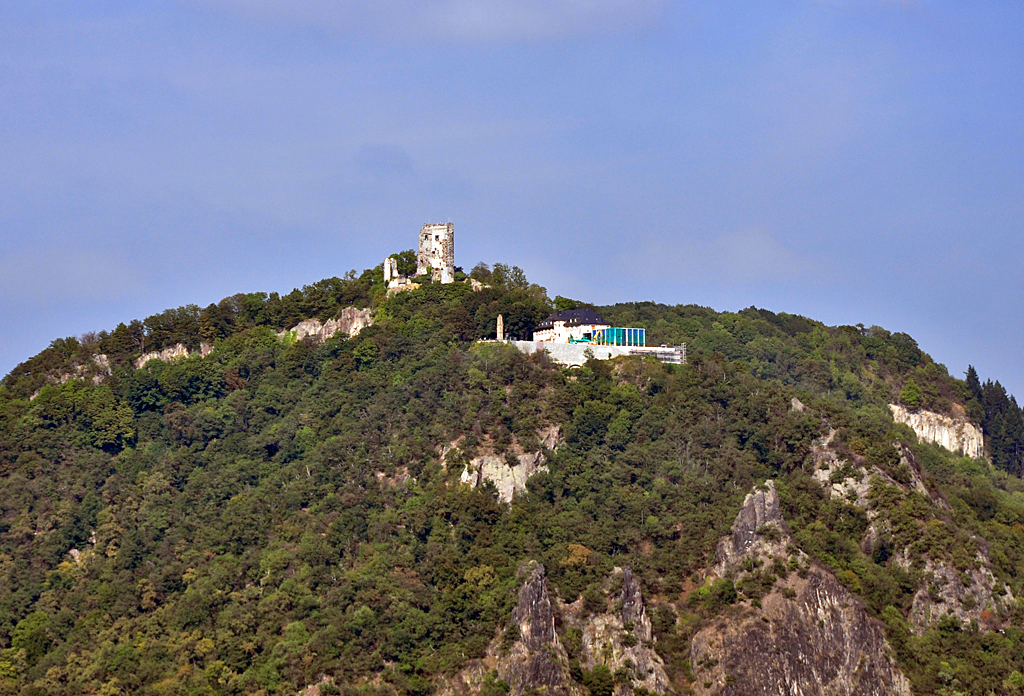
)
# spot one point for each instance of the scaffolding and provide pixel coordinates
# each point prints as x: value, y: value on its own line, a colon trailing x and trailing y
x: 675, y: 355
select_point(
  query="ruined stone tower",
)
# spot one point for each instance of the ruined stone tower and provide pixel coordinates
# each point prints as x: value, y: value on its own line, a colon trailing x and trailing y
x: 437, y: 252
x: 390, y: 269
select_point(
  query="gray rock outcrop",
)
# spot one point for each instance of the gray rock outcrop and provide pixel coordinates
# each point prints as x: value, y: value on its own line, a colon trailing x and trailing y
x: 621, y: 638
x: 537, y: 660
x: 970, y: 594
x: 96, y: 369
x: 819, y: 642
x: 806, y: 634
x: 350, y: 321
x: 528, y: 656
x: 760, y: 508
x: 509, y: 480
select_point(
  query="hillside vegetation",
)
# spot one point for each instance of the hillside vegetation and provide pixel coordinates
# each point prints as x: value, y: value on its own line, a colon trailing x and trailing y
x: 283, y: 513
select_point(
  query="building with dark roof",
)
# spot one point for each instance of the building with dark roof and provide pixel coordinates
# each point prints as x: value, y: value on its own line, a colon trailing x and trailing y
x: 575, y: 324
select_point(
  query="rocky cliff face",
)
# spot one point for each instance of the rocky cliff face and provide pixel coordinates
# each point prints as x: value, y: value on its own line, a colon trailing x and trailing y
x: 528, y: 656
x: 351, y: 321
x: 510, y: 480
x: 750, y: 534
x: 805, y: 634
x: 853, y: 482
x: 956, y: 435
x: 96, y: 369
x: 621, y: 637
x: 969, y: 594
x: 175, y: 352
x: 537, y: 660
x: 820, y: 641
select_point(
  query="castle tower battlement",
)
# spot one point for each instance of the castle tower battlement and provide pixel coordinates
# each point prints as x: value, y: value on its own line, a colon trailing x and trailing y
x: 437, y: 252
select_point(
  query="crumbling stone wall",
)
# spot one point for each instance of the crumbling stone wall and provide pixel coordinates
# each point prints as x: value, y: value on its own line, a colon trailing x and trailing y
x: 437, y: 252
x: 390, y: 269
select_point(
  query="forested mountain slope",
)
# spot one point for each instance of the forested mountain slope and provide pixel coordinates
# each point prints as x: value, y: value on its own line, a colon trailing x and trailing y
x: 281, y: 513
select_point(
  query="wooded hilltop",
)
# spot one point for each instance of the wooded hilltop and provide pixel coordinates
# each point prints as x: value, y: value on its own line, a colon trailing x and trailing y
x: 286, y: 514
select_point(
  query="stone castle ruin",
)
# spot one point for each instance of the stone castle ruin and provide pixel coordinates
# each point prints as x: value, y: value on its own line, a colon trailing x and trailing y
x: 437, y: 252
x: 436, y: 256
x: 391, y: 270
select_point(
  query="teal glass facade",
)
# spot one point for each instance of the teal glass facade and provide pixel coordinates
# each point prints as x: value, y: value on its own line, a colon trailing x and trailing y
x: 618, y: 336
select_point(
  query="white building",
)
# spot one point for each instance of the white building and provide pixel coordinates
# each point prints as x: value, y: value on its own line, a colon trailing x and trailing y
x: 570, y: 323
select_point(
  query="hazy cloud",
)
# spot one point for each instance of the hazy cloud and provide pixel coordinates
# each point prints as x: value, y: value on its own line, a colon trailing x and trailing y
x: 753, y: 256
x: 744, y: 257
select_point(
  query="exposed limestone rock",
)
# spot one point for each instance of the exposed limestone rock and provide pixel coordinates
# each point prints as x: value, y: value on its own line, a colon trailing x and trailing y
x: 944, y: 590
x: 96, y: 369
x: 853, y: 483
x: 967, y: 595
x: 956, y: 435
x: 510, y: 480
x: 507, y: 479
x: 529, y: 655
x: 401, y: 284
x: 909, y: 462
x: 796, y: 405
x: 550, y: 437
x: 173, y: 353
x: 621, y: 638
x: 167, y: 354
x: 806, y: 635
x: 633, y: 610
x: 351, y: 322
x: 841, y: 479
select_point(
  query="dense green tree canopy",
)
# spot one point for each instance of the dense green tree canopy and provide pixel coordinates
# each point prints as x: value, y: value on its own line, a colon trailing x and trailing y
x: 278, y: 510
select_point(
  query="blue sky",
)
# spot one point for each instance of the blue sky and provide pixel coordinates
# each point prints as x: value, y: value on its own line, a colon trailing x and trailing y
x: 851, y: 161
